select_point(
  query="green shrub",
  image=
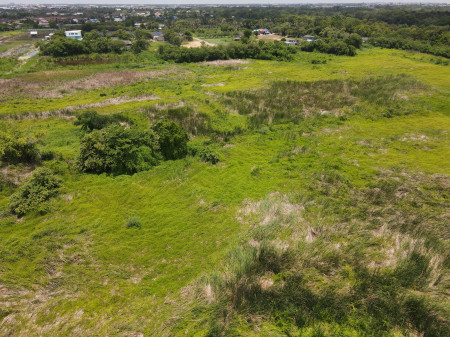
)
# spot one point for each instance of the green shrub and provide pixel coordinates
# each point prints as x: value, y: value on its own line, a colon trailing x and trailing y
x: 205, y: 154
x: 354, y: 40
x: 134, y: 222
x: 91, y: 120
x: 208, y: 155
x: 35, y: 193
x: 139, y: 46
x: 118, y: 150
x: 16, y: 147
x: 172, y: 139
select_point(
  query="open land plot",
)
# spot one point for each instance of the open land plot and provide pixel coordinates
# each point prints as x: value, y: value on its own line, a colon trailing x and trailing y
x: 314, y: 186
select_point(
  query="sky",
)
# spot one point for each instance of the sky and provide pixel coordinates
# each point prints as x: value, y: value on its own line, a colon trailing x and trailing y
x: 204, y: 2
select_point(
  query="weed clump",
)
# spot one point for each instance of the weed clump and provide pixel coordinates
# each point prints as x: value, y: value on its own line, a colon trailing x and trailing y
x: 204, y: 153
x: 134, y: 222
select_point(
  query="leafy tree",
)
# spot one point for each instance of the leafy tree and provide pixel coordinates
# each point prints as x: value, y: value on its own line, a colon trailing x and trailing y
x: 188, y: 36
x: 53, y: 24
x: 93, y: 35
x: 35, y: 193
x: 87, y: 26
x: 172, y: 139
x: 172, y: 37
x: 91, y: 120
x: 123, y: 34
x: 139, y: 46
x: 247, y: 35
x: 118, y: 150
x: 142, y: 34
x: 117, y: 46
x: 354, y: 40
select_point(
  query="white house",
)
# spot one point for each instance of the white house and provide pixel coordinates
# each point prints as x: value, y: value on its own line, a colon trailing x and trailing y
x: 74, y: 34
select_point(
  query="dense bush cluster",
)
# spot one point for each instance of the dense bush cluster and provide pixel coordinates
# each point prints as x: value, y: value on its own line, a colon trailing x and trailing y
x: 93, y: 42
x: 35, y: 193
x: 172, y: 139
x: 329, y: 47
x: 91, y: 120
x: 68, y: 47
x: 255, y: 50
x: 402, y: 43
x: 116, y: 149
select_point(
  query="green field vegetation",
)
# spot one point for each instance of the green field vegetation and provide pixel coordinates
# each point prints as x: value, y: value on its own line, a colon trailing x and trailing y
x: 313, y: 200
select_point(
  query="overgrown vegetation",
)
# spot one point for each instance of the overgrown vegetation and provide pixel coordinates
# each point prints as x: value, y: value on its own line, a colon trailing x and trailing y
x: 35, y: 193
x: 118, y: 150
x: 260, y: 51
x: 291, y: 101
x: 230, y: 197
x: 17, y: 147
x: 91, y: 120
x: 172, y: 139
x: 270, y: 273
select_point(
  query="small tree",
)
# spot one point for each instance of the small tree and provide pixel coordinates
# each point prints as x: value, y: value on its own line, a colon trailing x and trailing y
x: 139, y: 46
x: 123, y: 34
x: 142, y: 34
x: 172, y: 139
x: 354, y: 40
x: 172, y: 37
x: 188, y: 36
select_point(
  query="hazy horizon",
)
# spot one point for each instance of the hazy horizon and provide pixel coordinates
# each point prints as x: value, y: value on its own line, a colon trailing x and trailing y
x: 212, y: 2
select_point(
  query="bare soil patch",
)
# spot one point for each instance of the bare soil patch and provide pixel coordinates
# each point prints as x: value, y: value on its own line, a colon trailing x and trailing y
x: 110, y: 101
x: 57, y: 89
x: 226, y: 62
x: 196, y: 43
x: 270, y: 37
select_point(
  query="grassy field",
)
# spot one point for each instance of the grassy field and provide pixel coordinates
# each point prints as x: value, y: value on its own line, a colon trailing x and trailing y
x: 326, y: 215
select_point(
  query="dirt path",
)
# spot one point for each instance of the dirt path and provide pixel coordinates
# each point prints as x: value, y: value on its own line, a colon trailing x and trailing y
x: 198, y: 43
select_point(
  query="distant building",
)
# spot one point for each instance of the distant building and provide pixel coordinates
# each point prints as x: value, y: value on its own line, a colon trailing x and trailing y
x: 309, y: 38
x: 291, y: 42
x: 262, y: 31
x: 74, y: 34
x: 128, y: 43
x: 33, y: 33
x: 43, y: 23
x: 158, y: 36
